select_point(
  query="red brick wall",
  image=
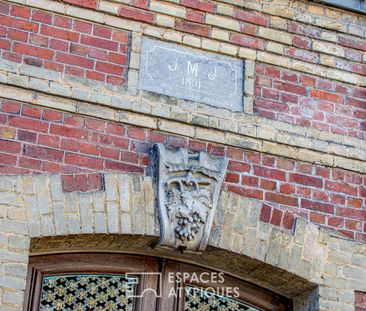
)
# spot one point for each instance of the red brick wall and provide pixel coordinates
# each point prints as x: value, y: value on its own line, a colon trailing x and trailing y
x: 35, y: 140
x: 63, y: 44
x: 310, y: 101
x: 360, y: 301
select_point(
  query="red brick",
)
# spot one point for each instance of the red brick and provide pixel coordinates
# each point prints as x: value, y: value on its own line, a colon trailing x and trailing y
x: 340, y: 187
x: 317, y: 206
x: 265, y: 213
x: 193, y: 28
x: 130, y: 157
x: 285, y: 164
x: 91, y: 4
x: 123, y: 167
x: 74, y: 60
x: 215, y: 149
x: 43, y: 153
x: 5, y: 44
x: 136, y: 133
x: 30, y: 163
x: 41, y: 16
x: 195, y: 16
x: 17, y: 35
x: 269, y: 173
x: 59, y: 45
x: 251, y: 17
x: 144, y: 4
x: 288, y: 220
x: 247, y: 41
x: 351, y: 213
x: 84, y: 161
x: 115, y: 129
x: 69, y: 144
x: 83, y: 27
x: 4, y: 8
x: 353, y: 225
x: 287, y: 189
x: 160, y: 138
x: 28, y: 124
x: 268, y: 184
x: 99, y: 43
x: 136, y: 14
x: 238, y: 166
x: 58, y: 33
x: 33, y: 51
x: 356, y: 103
x: 234, y: 153
x: 200, y: 5
x: 10, y: 146
x: 95, y: 124
x: 253, y: 157
x: 95, y: 75
x: 20, y: 11
x: 352, y: 43
x: 110, y: 153
x: 317, y: 218
x: 175, y: 141
x: 49, y: 140
x: 11, y: 107
x: 27, y: 136
x: 78, y: 49
x: 336, y: 222
x: 110, y: 68
x: 306, y: 180
x: 354, y: 202
x: 290, y: 88
x: 68, y: 131
x: 232, y: 178
x: 117, y: 58
x: 250, y: 181
x: 31, y: 111
x: 87, y: 148
x: 281, y: 199
x: 276, y: 217
x: 246, y: 192
x: 7, y: 159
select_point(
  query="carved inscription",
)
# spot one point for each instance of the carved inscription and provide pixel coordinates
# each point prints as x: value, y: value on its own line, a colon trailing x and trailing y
x: 184, y: 73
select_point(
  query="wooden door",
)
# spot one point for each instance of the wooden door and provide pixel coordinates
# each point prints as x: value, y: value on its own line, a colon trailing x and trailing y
x: 103, y: 281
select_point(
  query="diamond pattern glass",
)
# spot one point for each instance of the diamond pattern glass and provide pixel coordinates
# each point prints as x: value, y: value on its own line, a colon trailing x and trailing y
x: 87, y: 293
x: 198, y: 299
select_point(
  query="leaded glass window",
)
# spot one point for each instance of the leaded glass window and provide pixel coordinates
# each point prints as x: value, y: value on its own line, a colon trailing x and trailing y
x: 198, y: 299
x: 87, y: 293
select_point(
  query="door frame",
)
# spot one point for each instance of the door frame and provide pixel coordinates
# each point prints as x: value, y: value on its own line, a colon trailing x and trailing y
x: 119, y: 264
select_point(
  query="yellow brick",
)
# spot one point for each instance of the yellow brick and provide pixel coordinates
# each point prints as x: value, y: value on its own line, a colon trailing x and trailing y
x: 210, y: 45
x: 275, y: 47
x: 109, y: 7
x: 222, y: 22
x: 273, y: 59
x: 192, y: 41
x: 247, y: 53
x: 328, y: 60
x: 220, y: 34
x: 164, y: 8
x: 328, y: 48
x: 173, y: 36
x: 225, y: 9
x: 278, y: 22
x: 316, y: 9
x: 165, y: 21
x: 229, y: 49
x: 275, y: 35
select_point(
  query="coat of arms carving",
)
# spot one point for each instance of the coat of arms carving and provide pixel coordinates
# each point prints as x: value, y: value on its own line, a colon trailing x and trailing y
x: 187, y: 191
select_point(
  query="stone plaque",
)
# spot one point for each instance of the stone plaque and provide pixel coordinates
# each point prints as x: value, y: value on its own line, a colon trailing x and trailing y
x: 181, y: 72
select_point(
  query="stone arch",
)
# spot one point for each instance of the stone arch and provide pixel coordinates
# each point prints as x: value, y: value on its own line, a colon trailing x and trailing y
x: 311, y: 265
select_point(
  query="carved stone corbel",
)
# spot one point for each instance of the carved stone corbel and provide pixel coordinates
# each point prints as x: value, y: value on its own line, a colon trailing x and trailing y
x: 187, y: 187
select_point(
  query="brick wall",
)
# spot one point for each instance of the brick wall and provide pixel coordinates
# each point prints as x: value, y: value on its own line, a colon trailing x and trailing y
x: 360, y: 301
x: 51, y: 41
x: 310, y: 101
x: 36, y: 140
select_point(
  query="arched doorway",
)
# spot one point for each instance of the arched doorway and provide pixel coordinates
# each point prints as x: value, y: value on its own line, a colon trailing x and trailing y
x: 111, y: 281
